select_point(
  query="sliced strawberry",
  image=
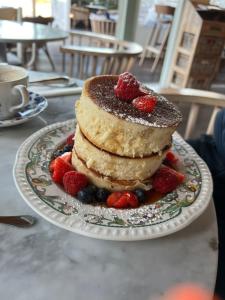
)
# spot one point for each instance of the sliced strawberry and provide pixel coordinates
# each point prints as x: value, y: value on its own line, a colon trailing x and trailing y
x: 122, y: 200
x: 52, y: 165
x: 113, y: 198
x: 127, y: 87
x: 73, y: 182
x: 145, y: 103
x: 166, y: 180
x: 70, y: 140
x: 131, y: 198
x: 60, y: 168
x: 67, y: 157
x: 171, y: 157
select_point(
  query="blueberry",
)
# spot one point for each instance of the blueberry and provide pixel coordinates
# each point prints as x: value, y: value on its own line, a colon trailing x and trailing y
x: 141, y: 194
x: 67, y: 148
x: 87, y: 195
x: 102, y: 194
x: 92, y: 189
x: 84, y: 196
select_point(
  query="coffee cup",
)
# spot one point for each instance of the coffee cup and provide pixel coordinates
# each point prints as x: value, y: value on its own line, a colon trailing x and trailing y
x: 13, y: 90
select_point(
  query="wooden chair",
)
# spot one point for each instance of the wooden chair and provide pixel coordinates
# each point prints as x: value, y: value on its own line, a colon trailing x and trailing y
x: 41, y: 45
x: 11, y: 14
x: 99, y: 54
x: 9, y: 49
x: 197, y: 99
x: 103, y: 26
x: 79, y: 14
x: 157, y: 39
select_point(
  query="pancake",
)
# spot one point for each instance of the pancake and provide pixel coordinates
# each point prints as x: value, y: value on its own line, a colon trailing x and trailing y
x: 117, y: 127
x: 113, y: 165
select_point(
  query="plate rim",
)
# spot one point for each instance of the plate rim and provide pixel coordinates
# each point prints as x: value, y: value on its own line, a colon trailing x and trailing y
x: 70, y: 223
x: 23, y: 120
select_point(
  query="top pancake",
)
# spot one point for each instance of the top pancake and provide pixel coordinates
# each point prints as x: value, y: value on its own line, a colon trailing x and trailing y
x: 100, y: 89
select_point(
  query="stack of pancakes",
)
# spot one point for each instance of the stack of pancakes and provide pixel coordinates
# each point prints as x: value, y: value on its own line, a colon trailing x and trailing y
x: 117, y: 146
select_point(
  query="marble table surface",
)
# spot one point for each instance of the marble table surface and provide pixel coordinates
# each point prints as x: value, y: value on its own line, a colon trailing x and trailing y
x: 46, y: 262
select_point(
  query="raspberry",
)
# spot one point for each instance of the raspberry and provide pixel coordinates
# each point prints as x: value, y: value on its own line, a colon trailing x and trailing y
x: 166, y: 180
x: 127, y: 87
x: 145, y: 103
x: 70, y: 140
x: 73, y: 182
x: 60, y: 168
x: 122, y: 200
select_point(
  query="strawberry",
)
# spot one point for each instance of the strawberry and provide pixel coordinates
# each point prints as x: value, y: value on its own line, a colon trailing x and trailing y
x: 67, y: 157
x: 113, y: 198
x: 127, y: 87
x: 70, y: 140
x: 122, y: 200
x: 131, y: 198
x: 145, y: 103
x: 166, y: 180
x: 73, y: 182
x: 52, y: 165
x: 60, y: 168
x: 171, y: 157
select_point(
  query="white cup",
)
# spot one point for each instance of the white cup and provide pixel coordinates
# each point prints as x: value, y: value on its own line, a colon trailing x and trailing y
x: 13, y: 90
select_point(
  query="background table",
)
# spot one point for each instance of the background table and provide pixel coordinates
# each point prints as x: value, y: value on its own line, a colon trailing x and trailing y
x: 46, y: 262
x: 26, y: 32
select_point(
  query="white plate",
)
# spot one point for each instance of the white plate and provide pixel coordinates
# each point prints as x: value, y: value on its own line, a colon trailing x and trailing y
x: 169, y: 214
x: 36, y: 105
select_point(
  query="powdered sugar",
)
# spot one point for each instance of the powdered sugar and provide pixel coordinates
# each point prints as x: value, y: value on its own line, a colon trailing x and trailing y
x: 101, y: 91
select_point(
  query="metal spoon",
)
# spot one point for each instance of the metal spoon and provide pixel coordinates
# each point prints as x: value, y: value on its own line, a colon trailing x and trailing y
x: 57, y: 81
x: 51, y: 79
x: 19, y: 221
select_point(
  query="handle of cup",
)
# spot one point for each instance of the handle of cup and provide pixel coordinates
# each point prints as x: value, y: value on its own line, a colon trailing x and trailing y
x: 22, y: 90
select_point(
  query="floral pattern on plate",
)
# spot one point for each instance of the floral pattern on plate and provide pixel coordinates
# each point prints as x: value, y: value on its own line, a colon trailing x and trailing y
x: 168, y: 214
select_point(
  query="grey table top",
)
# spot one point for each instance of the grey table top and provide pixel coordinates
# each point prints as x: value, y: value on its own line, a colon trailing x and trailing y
x: 46, y: 262
x: 11, y: 31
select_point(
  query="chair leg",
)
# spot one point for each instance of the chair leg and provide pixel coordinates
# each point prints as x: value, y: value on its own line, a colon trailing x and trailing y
x: 142, y: 57
x: 212, y: 120
x: 45, y: 48
x: 149, y: 41
x: 163, y: 45
x: 3, y: 51
x: 193, y: 114
x: 156, y: 60
x: 71, y: 65
x: 63, y: 62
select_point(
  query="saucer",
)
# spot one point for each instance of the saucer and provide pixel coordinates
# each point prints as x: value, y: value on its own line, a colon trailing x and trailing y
x: 37, y: 104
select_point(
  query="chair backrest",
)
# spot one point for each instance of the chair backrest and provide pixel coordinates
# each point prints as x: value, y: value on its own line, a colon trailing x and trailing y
x: 11, y: 14
x: 79, y: 13
x: 99, y: 54
x: 103, y: 26
x: 197, y: 100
